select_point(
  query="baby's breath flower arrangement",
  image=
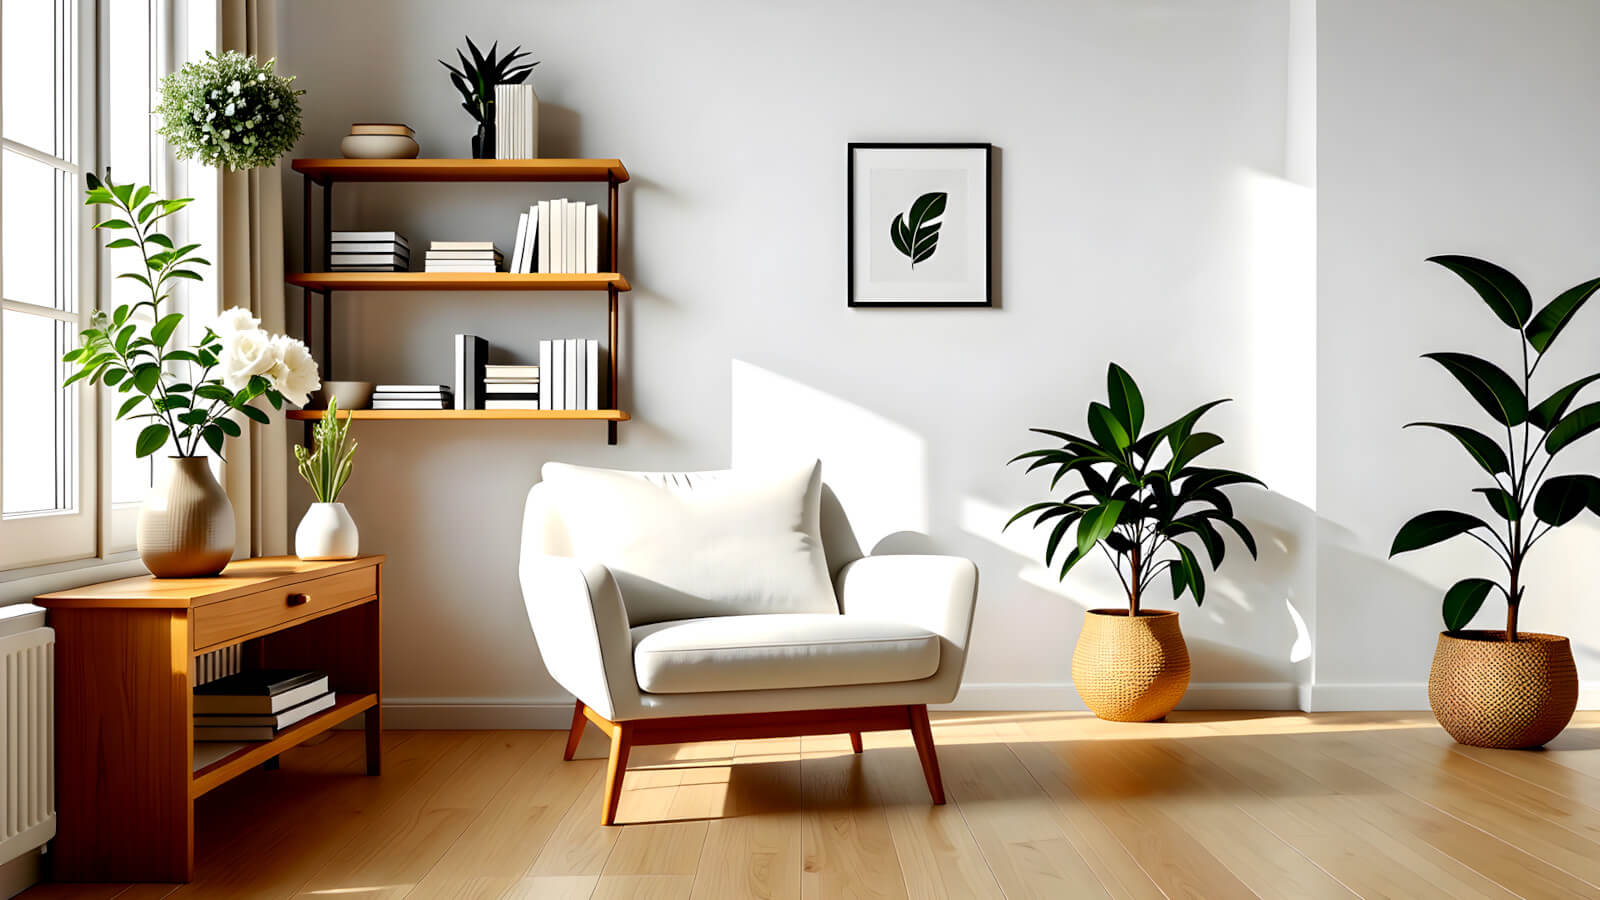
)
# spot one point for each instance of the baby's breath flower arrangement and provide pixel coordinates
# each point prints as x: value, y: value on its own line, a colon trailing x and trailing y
x: 230, y: 111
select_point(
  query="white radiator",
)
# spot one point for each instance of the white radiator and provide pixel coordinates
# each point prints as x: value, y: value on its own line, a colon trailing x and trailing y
x: 27, y: 731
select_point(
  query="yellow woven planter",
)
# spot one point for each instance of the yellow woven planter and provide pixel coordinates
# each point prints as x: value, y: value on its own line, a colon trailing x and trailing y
x: 1130, y: 669
x: 1489, y: 692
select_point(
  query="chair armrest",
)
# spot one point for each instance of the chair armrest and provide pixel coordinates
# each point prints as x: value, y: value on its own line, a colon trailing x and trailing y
x: 933, y: 592
x: 581, y: 627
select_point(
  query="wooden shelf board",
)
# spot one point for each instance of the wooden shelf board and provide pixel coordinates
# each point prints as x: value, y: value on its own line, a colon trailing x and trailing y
x: 324, y: 171
x: 597, y: 415
x: 456, y: 281
x: 250, y: 755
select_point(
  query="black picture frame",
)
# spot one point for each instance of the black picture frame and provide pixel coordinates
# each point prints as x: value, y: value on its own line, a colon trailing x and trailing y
x: 850, y: 224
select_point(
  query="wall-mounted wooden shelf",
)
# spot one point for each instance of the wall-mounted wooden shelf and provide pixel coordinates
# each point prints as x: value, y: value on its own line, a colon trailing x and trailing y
x: 457, y: 415
x: 323, y: 171
x: 456, y: 281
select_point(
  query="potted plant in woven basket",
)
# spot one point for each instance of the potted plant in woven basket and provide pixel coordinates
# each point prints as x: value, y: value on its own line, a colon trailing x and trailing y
x: 1140, y: 499
x: 1508, y: 688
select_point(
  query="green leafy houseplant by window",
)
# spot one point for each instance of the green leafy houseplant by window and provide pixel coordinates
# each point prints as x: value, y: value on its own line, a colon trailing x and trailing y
x: 1508, y: 688
x: 1141, y: 499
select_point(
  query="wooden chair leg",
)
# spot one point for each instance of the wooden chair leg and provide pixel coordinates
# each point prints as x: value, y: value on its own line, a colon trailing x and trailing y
x: 922, y: 736
x: 575, y: 734
x: 855, y: 741
x: 616, y: 768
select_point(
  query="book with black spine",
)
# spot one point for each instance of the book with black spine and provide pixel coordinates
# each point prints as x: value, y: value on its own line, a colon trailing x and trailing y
x: 282, y: 719
x: 259, y: 692
x: 472, y: 354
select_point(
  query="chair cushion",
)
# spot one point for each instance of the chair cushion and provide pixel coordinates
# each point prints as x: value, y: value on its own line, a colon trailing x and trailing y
x: 696, y: 544
x: 769, y: 652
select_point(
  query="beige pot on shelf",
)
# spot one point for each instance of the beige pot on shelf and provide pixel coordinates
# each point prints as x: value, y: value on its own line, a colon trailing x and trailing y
x: 1130, y: 668
x: 185, y: 527
x: 1490, y: 692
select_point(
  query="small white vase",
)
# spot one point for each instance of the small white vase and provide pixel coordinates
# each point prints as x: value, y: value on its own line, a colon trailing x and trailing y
x: 326, y: 531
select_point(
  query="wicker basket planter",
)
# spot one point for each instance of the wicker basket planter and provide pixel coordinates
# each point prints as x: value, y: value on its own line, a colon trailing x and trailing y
x: 1130, y: 668
x: 1489, y: 692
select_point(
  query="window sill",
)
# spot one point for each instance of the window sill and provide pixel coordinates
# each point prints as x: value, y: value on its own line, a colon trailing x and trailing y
x: 22, y: 585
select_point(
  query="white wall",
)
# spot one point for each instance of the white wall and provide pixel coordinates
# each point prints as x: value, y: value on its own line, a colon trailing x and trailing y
x: 1444, y: 127
x: 1158, y: 170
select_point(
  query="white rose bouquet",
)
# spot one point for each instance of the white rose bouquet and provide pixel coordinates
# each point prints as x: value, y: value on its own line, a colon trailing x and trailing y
x: 234, y: 363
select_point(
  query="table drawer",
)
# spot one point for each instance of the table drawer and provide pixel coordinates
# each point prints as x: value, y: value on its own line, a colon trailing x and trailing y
x: 252, y: 613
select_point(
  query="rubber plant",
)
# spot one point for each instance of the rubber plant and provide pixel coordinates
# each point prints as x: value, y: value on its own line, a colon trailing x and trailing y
x: 1140, y: 496
x: 1525, y: 502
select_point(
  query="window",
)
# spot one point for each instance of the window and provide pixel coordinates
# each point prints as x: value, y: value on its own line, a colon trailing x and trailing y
x: 70, y: 483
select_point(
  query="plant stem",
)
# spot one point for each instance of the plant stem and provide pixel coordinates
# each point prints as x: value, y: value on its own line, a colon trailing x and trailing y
x: 1133, y: 589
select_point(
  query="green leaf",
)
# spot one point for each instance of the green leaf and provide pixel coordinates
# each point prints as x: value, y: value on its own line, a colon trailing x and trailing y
x: 1501, y: 502
x: 229, y: 427
x: 146, y: 377
x: 120, y: 243
x: 159, y: 239
x: 1108, y: 431
x: 1432, y: 527
x: 1544, y: 327
x: 123, y: 192
x: 114, y: 224
x: 1056, y: 534
x: 916, y: 233
x: 1504, y: 294
x: 1245, y: 537
x: 151, y: 439
x: 1192, y: 447
x: 213, y: 438
x: 1546, y: 414
x: 1573, y: 426
x: 1561, y: 498
x: 1179, y: 430
x: 1483, y: 448
x: 1030, y: 508
x: 1097, y: 523
x: 129, y: 405
x: 194, y: 417
x: 1193, y: 575
x: 185, y: 273
x: 112, y: 376
x: 1126, y: 401
x: 255, y: 414
x: 161, y: 332
x: 1463, y: 601
x: 1488, y: 384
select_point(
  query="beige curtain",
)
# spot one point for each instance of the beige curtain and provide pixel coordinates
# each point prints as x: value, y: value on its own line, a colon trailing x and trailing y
x: 252, y: 276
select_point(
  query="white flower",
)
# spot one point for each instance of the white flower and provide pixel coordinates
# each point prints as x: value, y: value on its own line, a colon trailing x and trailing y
x: 233, y: 321
x: 261, y: 76
x: 294, y: 372
x: 234, y: 87
x: 226, y: 132
x: 245, y: 354
x: 229, y: 110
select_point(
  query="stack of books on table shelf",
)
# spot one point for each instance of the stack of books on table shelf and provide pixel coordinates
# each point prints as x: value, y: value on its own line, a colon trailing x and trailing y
x: 412, y: 396
x: 558, y: 236
x: 516, y: 122
x: 570, y: 374
x: 369, y: 251
x: 254, y: 705
x: 462, y: 256
x: 510, y: 387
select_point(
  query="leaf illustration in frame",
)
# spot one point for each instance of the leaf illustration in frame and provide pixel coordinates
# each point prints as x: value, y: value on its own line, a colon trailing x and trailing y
x: 916, y: 234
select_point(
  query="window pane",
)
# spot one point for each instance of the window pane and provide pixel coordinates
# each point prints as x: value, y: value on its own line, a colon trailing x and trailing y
x: 28, y: 53
x: 29, y: 238
x: 130, y: 476
x: 128, y: 116
x: 35, y: 416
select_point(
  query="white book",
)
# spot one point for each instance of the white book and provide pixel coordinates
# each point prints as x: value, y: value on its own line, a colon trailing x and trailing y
x: 463, y: 245
x: 591, y: 381
x: 558, y: 250
x: 579, y: 369
x: 462, y: 269
x: 546, y: 365
x: 558, y: 374
x: 525, y: 261
x: 570, y: 385
x: 522, y: 237
x: 502, y: 119
x: 367, y: 259
x: 511, y: 404
x: 544, y: 236
x: 387, y: 237
x: 519, y: 389
x: 591, y: 240
x: 474, y: 255
x: 531, y: 100
x: 271, y: 720
x: 369, y: 247
x: 510, y: 370
x: 411, y: 404
x: 580, y: 250
x: 413, y: 388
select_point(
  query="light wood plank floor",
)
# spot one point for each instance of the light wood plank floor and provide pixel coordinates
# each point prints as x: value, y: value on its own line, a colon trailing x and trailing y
x: 1051, y: 805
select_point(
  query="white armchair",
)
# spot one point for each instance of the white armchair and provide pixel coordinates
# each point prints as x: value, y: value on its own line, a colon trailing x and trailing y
x: 891, y: 640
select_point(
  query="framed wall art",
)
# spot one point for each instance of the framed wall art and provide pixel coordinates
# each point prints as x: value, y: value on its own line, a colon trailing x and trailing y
x: 919, y: 224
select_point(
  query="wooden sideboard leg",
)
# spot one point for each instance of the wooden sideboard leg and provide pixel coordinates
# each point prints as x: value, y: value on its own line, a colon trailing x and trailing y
x: 616, y: 768
x: 855, y: 741
x: 575, y: 733
x: 374, y: 729
x: 922, y: 736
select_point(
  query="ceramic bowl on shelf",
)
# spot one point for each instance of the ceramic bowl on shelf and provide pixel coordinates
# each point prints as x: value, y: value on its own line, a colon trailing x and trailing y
x: 379, y: 146
x: 350, y: 394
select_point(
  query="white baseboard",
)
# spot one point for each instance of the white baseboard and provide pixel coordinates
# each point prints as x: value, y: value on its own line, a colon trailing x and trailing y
x: 1003, y: 696
x: 476, y: 714
x: 1403, y: 696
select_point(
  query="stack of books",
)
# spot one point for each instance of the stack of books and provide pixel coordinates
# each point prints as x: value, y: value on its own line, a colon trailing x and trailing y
x: 516, y: 122
x: 510, y: 387
x: 462, y: 256
x: 412, y: 396
x: 369, y: 251
x: 253, y: 706
x: 558, y: 236
x: 570, y: 372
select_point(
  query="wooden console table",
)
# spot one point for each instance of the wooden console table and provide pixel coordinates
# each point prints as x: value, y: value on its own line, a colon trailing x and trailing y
x: 126, y: 777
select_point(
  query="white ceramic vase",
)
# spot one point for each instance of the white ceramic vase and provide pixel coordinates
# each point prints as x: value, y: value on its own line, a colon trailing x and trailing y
x: 326, y: 531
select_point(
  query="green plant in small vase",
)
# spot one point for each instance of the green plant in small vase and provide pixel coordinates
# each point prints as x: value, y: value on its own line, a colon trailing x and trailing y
x: 1140, y: 499
x: 193, y: 396
x: 230, y: 111
x: 1508, y: 688
x: 327, y: 531
x: 475, y: 81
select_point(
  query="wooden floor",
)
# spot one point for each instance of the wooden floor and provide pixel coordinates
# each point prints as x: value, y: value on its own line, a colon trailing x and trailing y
x: 1211, y: 805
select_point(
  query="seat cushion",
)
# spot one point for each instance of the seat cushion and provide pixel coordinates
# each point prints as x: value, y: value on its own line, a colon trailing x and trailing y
x: 770, y: 652
x: 694, y: 544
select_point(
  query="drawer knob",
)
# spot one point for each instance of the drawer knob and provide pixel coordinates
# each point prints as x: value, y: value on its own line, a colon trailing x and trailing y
x: 299, y: 599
